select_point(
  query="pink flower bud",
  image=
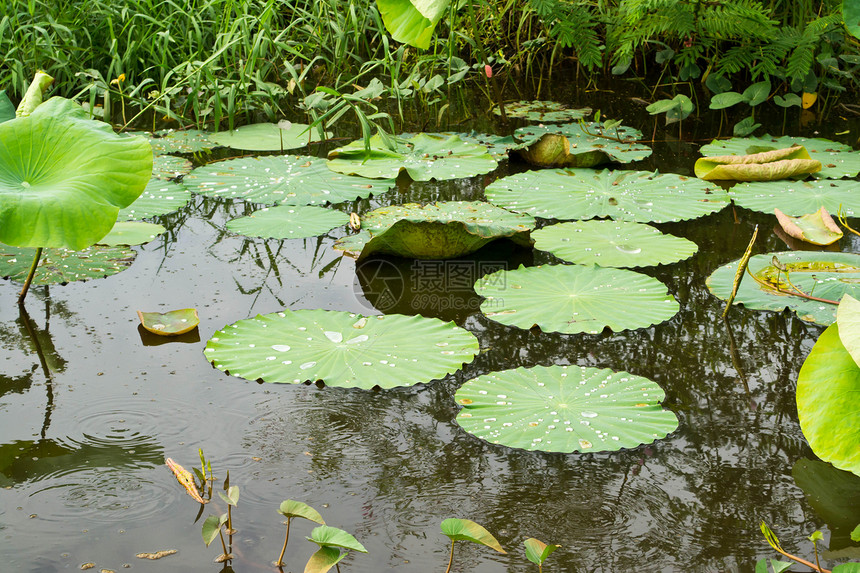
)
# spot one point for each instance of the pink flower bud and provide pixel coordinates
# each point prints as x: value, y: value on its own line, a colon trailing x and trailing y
x: 488, y: 70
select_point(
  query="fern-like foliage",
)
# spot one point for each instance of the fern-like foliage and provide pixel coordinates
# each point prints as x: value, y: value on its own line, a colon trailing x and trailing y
x: 571, y: 25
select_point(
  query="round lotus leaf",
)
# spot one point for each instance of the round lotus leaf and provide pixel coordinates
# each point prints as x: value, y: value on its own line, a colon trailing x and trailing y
x: 575, y: 298
x: 131, y: 233
x: 612, y: 244
x: 287, y: 179
x: 288, y: 222
x: 169, y: 167
x: 564, y: 409
x: 177, y: 141
x: 171, y: 323
x: 828, y: 402
x: 159, y: 198
x: 440, y: 231
x: 543, y: 111
x: 64, y: 177
x: 580, y: 144
x: 837, y: 160
x: 640, y: 196
x: 60, y: 266
x: 267, y: 137
x: 341, y: 348
x: 422, y: 156
x: 497, y: 145
x: 797, y: 198
x: 824, y: 275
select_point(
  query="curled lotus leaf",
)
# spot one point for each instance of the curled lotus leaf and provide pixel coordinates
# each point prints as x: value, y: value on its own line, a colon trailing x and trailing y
x: 340, y: 348
x: 185, y: 479
x: 765, y: 166
x: 422, y: 156
x: 580, y: 145
x: 640, y: 196
x: 288, y: 222
x: 170, y: 167
x: 171, y: 323
x: 412, y: 21
x: 61, y: 266
x: 282, y: 179
x: 574, y: 298
x: 564, y: 409
x: 267, y: 137
x: 612, y: 244
x: 837, y: 159
x: 817, y: 228
x: 131, y: 233
x: 824, y: 275
x: 158, y: 198
x: 797, y: 198
x: 440, y: 231
x: 543, y: 111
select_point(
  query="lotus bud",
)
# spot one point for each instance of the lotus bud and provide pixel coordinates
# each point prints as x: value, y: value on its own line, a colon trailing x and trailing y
x: 488, y: 70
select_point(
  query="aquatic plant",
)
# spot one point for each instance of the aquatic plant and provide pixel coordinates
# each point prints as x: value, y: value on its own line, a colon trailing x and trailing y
x: 583, y: 144
x: 331, y: 540
x: 537, y: 551
x: 171, y: 323
x: 467, y: 530
x: 798, y: 198
x: 288, y: 222
x: 791, y: 162
x: 291, y: 509
x: 216, y: 525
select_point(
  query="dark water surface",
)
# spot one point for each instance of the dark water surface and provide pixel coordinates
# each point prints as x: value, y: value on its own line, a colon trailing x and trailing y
x: 82, y: 449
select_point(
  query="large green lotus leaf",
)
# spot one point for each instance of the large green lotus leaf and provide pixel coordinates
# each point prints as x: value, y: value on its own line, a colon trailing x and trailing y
x: 825, y: 275
x: 851, y: 17
x: 440, y: 231
x: 422, y: 156
x: 612, y: 244
x: 267, y: 137
x: 543, y: 111
x: 580, y: 145
x: 848, y: 316
x: 131, y: 233
x: 64, y: 177
x: 837, y: 160
x: 158, y: 198
x: 7, y: 110
x: 639, y: 196
x: 497, y: 145
x: 341, y: 348
x: 828, y: 402
x: 412, y: 21
x: 169, y: 167
x: 286, y: 179
x: 817, y: 228
x: 288, y: 222
x: 564, y: 409
x: 181, y: 141
x: 60, y: 266
x: 797, y: 198
x: 764, y: 166
x: 575, y: 298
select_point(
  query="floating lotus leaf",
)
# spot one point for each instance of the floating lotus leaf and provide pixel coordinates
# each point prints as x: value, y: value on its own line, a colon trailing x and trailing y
x: 412, y: 21
x: 422, y: 156
x: 837, y: 160
x: 286, y: 179
x: 639, y: 196
x: 543, y: 111
x: 267, y: 137
x: 575, y: 298
x: 171, y: 323
x: 797, y: 198
x: 497, y: 145
x: 825, y: 275
x: 441, y: 231
x: 288, y: 222
x: 817, y: 228
x: 764, y: 166
x: 580, y: 145
x: 178, y: 141
x: 564, y: 409
x: 828, y: 402
x: 131, y: 233
x: 60, y: 266
x: 168, y: 167
x: 848, y: 316
x: 612, y: 244
x: 159, y: 198
x: 341, y: 348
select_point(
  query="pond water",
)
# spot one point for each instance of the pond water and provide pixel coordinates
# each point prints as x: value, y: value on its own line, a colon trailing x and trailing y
x: 86, y: 422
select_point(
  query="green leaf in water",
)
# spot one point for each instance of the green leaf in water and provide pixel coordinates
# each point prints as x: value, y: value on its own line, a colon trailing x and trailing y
x: 584, y: 144
x: 288, y: 222
x: 327, y: 536
x: 543, y: 111
x: 291, y: 508
x: 467, y: 530
x: 171, y: 323
x: 764, y: 166
x: 267, y: 137
x: 817, y: 228
x: 211, y: 527
x: 61, y: 266
x: 537, y: 551
x: 158, y: 198
x: 131, y: 233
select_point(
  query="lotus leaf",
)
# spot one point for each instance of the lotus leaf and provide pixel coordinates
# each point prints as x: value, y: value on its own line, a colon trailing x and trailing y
x: 323, y: 560
x: 158, y: 198
x: 537, y: 551
x: 169, y: 167
x: 61, y: 266
x: 828, y: 402
x: 543, y: 111
x: 612, y: 244
x: 171, y: 323
x: 441, y: 231
x: 564, y: 409
x: 764, y: 166
x: 422, y: 156
x: 33, y: 97
x: 288, y: 222
x: 69, y: 193
x: 267, y: 137
x: 283, y: 179
x: 327, y: 536
x: 817, y: 228
x: 467, y: 530
x: 7, y: 110
x: 131, y: 233
x: 340, y: 348
x: 799, y: 197
x: 497, y: 145
x: 639, y: 196
x: 290, y: 508
x: 575, y: 298
x: 182, y: 141
x: 822, y: 274
x: 848, y: 316
x: 580, y: 145
x: 412, y: 21
x: 837, y: 160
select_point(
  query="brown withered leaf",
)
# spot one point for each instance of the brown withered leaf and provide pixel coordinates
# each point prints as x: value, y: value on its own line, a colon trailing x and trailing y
x: 185, y: 479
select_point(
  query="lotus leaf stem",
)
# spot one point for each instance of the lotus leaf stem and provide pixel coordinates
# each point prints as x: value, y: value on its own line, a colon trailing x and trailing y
x: 280, y: 561
x: 742, y: 266
x: 30, y: 276
x: 450, y: 559
x: 842, y: 219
